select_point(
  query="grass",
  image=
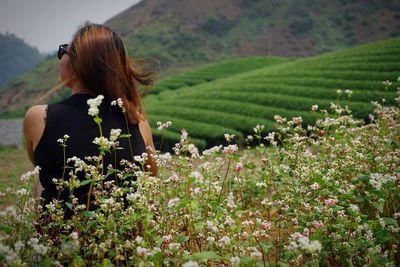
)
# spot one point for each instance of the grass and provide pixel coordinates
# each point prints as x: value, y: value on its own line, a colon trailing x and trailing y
x: 13, y: 163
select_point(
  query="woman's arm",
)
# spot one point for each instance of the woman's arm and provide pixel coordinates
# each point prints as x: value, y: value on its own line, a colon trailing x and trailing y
x: 34, y: 123
x: 145, y: 130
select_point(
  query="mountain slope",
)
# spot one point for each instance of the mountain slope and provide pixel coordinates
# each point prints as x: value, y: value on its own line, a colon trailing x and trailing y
x: 185, y: 34
x: 15, y: 57
x: 238, y: 103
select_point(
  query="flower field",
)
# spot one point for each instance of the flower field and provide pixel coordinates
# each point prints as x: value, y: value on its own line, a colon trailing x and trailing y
x: 238, y: 99
x: 321, y: 195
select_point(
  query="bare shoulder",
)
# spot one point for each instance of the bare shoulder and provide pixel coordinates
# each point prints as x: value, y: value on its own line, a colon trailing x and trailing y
x: 35, y: 112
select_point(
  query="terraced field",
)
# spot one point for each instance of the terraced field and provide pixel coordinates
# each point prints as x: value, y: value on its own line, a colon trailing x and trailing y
x: 220, y: 99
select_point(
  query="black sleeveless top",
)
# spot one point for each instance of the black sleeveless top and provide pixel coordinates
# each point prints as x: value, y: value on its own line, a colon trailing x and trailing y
x: 71, y: 117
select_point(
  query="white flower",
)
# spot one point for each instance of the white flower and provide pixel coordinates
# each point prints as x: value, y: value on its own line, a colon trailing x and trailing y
x: 114, y: 134
x: 141, y: 251
x: 224, y: 240
x: 235, y: 261
x: 315, y: 186
x: 27, y: 176
x: 94, y: 104
x: 229, y: 137
x: 212, y: 150
x: 162, y: 126
x: 258, y: 128
x: 339, y: 92
x: 257, y: 255
x: 190, y: 264
x: 173, y: 202
x: 231, y: 149
x: 138, y: 239
x: 348, y: 92
x: 103, y: 142
x: 117, y: 102
x: 314, y: 107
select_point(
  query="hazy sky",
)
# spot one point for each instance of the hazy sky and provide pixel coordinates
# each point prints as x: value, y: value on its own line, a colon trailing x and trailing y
x: 47, y: 23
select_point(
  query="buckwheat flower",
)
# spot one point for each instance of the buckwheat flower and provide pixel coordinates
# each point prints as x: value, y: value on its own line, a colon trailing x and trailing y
x: 354, y: 208
x: 387, y: 83
x: 114, y: 134
x: 190, y: 264
x: 118, y: 102
x: 265, y: 225
x: 162, y: 126
x: 174, y: 246
x: 318, y: 224
x: 315, y: 186
x: 330, y: 201
x: 103, y: 142
x: 139, y: 158
x: 197, y: 175
x: 94, y: 104
x: 194, y: 152
x: 141, y: 251
x: 212, y: 150
x: 211, y: 239
x: 339, y: 92
x: 348, y: 92
x: 21, y: 192
x: 314, y: 107
x: 297, y: 120
x: 235, y: 260
x: 230, y: 203
x: 172, y: 202
x: 27, y: 176
x: 396, y: 215
x: 138, y: 239
x: 229, y: 137
x: 239, y: 167
x: 258, y: 128
x: 231, y: 149
x: 250, y: 138
x: 256, y: 255
x: 184, y: 135
x: 225, y: 240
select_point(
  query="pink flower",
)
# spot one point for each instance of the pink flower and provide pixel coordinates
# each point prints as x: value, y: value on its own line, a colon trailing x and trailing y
x: 318, y: 224
x: 315, y: 186
x: 231, y: 149
x: 330, y: 201
x: 238, y: 167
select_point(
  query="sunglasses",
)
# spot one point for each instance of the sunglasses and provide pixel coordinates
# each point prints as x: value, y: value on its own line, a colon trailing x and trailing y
x: 62, y: 49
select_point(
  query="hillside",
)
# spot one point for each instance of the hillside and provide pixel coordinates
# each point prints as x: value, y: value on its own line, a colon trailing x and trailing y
x: 185, y: 34
x: 15, y: 57
x: 236, y: 104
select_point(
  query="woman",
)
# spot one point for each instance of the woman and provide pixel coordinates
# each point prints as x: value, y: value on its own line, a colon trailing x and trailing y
x: 94, y: 63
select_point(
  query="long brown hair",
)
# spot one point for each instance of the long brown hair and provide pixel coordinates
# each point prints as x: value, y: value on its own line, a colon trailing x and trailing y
x: 100, y: 61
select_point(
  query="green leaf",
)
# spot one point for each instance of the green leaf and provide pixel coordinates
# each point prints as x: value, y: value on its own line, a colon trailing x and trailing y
x: 378, y: 205
x: 390, y: 221
x: 5, y: 228
x: 69, y: 205
x: 364, y: 178
x: 89, y: 214
x: 182, y: 238
x: 46, y: 263
x: 125, y: 136
x: 85, y: 182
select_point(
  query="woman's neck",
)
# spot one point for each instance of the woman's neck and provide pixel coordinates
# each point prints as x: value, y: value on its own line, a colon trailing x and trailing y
x: 79, y: 88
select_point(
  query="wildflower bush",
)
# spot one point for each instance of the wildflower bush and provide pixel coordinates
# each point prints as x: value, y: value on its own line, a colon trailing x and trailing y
x: 324, y: 195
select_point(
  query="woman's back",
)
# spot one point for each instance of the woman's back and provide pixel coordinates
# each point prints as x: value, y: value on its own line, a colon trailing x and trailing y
x: 70, y: 117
